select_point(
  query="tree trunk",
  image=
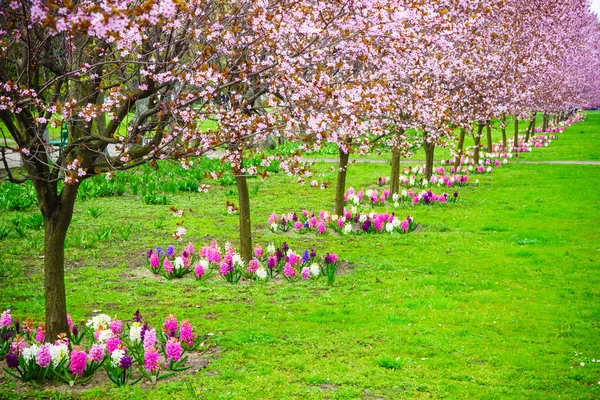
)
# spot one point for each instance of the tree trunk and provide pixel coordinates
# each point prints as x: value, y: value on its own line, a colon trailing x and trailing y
x: 341, y: 182
x: 516, y: 141
x: 395, y: 176
x: 429, y: 151
x: 461, y: 145
x: 504, y: 140
x: 490, y: 143
x: 530, y: 128
x: 245, y: 226
x: 545, y: 123
x: 477, y: 140
x: 57, y: 218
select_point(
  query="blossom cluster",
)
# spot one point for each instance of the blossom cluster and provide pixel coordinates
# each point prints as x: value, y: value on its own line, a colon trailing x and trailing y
x: 370, y: 196
x: 267, y: 263
x: 169, y: 263
x: 122, y: 349
x: 351, y: 222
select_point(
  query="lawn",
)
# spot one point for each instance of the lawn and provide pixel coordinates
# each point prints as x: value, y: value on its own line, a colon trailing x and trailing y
x: 495, y: 296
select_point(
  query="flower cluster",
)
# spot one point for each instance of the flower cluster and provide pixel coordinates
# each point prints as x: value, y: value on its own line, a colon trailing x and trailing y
x: 350, y: 222
x: 266, y: 263
x: 169, y: 263
x: 356, y: 199
x: 118, y: 348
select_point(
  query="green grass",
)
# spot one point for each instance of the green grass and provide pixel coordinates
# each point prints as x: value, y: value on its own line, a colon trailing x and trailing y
x: 491, y: 300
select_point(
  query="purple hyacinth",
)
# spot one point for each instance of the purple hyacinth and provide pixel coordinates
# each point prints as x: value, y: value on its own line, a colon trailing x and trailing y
x: 137, y: 317
x: 170, y: 251
x: 366, y: 225
x: 455, y: 194
x: 12, y: 360
x: 294, y: 217
x: 305, y: 257
x: 313, y: 253
x: 271, y: 262
x: 125, y: 362
x: 279, y: 254
x: 74, y: 330
x: 305, y: 224
x: 159, y: 250
x: 285, y: 247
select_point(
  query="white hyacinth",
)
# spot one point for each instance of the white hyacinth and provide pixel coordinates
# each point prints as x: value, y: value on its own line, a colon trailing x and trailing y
x: 100, y: 321
x: 135, y: 332
x: 58, y: 352
x: 261, y: 273
x: 30, y: 353
x: 315, y: 269
x: 348, y: 228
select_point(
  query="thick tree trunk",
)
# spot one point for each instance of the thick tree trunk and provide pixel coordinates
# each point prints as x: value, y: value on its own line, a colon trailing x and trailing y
x: 516, y: 140
x: 490, y: 143
x: 545, y: 122
x: 341, y: 182
x: 245, y: 226
x: 57, y: 218
x: 429, y: 152
x: 504, y: 140
x: 461, y: 145
x: 395, y: 176
x: 477, y: 140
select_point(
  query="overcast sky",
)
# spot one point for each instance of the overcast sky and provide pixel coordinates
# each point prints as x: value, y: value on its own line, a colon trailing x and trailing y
x: 596, y: 7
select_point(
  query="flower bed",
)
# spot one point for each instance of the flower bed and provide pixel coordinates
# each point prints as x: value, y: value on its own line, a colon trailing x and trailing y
x: 227, y: 263
x: 372, y: 197
x: 127, y: 352
x: 352, y: 222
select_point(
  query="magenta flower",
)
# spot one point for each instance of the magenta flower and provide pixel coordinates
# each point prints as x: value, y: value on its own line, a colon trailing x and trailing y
x: 170, y: 326
x: 43, y: 356
x: 168, y: 266
x: 154, y: 260
x: 289, y: 271
x: 69, y: 321
x: 272, y: 219
x: 112, y: 343
x: 252, y: 266
x: 116, y: 326
x: 404, y: 225
x: 271, y: 262
x: 78, y: 361
x: 293, y: 258
x: 321, y: 227
x: 298, y: 225
x: 186, y: 334
x: 173, y: 349
x: 96, y: 353
x: 5, y: 319
x: 225, y: 268
x: 258, y: 252
x: 151, y: 359
x: 150, y: 338
x: 305, y: 273
x: 40, y: 333
x: 199, y: 271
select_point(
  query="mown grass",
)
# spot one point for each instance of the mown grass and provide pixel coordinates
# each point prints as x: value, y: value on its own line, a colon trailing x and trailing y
x: 492, y: 299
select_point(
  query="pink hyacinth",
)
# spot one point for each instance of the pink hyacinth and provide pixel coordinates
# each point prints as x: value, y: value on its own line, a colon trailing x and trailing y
x: 305, y: 273
x: 225, y: 268
x: 320, y: 227
x: 199, y: 271
x: 43, y: 356
x: 40, y: 333
x: 96, y: 353
x: 168, y: 266
x: 293, y: 258
x: 404, y: 225
x: 258, y: 252
x: 116, y: 326
x: 298, y: 225
x: 112, y: 343
x: 186, y: 334
x: 340, y: 223
x: 154, y: 260
x: 312, y: 222
x: 150, y: 338
x: 151, y: 359
x: 289, y: 271
x: 170, y: 325
x: 252, y: 266
x: 78, y: 361
x: 272, y: 219
x: 69, y: 321
x: 173, y: 349
x: 5, y: 319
